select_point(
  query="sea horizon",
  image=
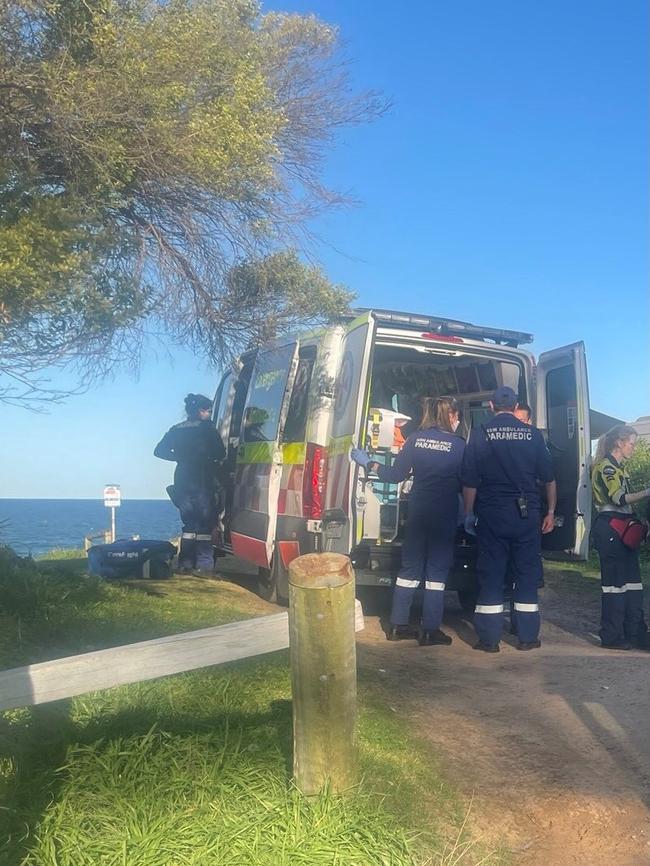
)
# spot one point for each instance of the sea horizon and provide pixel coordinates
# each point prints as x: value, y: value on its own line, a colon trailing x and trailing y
x: 32, y: 526
x: 82, y: 498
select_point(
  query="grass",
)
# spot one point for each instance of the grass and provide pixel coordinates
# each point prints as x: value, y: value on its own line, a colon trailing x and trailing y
x: 58, y: 553
x: 194, y: 769
x: 586, y: 575
x: 48, y: 610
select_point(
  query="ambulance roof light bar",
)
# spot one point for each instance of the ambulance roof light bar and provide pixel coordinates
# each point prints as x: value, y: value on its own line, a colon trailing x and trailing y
x: 436, y: 325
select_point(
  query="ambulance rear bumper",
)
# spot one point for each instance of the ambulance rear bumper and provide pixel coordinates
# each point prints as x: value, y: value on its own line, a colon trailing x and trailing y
x: 378, y: 565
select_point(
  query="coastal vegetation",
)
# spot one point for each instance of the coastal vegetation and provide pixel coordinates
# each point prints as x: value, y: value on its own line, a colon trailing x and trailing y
x: 141, y: 192
x: 194, y: 768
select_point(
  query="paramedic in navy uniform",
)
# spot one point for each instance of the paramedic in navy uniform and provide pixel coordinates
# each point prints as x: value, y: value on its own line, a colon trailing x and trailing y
x: 197, y: 449
x: 434, y: 455
x: 503, y: 462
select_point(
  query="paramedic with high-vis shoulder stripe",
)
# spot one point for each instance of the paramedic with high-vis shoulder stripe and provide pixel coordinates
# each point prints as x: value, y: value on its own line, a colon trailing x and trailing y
x: 504, y: 460
x: 622, y: 623
x: 434, y: 456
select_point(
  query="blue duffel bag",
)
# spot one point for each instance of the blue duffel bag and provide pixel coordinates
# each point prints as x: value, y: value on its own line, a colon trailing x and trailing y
x: 143, y: 558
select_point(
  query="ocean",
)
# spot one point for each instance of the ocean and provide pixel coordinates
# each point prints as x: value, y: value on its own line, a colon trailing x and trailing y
x: 35, y: 526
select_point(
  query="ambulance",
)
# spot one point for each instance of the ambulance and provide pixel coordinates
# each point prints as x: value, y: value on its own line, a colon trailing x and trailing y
x: 290, y: 411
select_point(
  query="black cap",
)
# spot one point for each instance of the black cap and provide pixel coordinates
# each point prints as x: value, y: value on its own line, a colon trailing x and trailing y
x: 504, y: 398
x: 195, y: 403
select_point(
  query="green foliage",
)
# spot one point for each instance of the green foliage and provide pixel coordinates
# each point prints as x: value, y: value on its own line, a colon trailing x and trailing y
x: 638, y: 467
x: 147, y: 150
x: 273, y: 294
x: 28, y: 592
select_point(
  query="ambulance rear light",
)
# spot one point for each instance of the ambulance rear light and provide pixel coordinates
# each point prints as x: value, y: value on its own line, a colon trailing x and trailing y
x: 443, y: 338
x: 313, y: 485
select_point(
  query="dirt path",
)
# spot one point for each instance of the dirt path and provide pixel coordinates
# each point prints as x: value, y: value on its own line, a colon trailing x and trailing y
x: 553, y: 745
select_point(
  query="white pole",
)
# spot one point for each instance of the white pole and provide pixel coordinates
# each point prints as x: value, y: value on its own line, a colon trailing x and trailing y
x: 112, y: 523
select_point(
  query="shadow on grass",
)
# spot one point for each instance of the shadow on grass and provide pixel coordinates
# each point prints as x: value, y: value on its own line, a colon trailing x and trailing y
x: 39, y: 749
x: 30, y: 754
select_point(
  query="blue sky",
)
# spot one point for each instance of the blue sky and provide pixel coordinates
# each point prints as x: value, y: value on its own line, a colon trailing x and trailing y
x: 508, y: 185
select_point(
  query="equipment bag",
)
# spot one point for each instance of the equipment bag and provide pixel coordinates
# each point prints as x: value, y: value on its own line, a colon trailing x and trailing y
x: 143, y: 558
x: 631, y: 531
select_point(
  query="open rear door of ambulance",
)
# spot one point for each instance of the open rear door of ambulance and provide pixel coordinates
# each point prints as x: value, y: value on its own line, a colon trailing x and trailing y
x: 259, y: 456
x: 563, y: 415
x: 351, y: 390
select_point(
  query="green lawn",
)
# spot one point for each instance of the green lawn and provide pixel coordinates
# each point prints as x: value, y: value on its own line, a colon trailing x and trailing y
x: 587, y: 574
x: 193, y: 769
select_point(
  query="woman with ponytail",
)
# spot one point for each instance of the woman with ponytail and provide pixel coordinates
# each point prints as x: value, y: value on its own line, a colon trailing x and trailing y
x: 434, y: 455
x: 196, y: 448
x: 622, y: 622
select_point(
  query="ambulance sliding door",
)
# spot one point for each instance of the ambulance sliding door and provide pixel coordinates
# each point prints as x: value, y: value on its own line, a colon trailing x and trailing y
x: 563, y: 415
x: 259, y: 457
x: 340, y: 525
x: 221, y: 416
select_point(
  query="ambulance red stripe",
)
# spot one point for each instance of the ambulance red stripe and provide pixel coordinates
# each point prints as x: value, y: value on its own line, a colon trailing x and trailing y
x: 251, y: 549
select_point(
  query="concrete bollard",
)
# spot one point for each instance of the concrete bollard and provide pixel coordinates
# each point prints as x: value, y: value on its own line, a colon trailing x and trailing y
x: 323, y: 672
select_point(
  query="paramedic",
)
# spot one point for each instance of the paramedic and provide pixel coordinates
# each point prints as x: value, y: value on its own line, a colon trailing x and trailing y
x: 197, y: 450
x: 434, y: 455
x: 502, y: 463
x: 622, y: 624
x: 525, y: 414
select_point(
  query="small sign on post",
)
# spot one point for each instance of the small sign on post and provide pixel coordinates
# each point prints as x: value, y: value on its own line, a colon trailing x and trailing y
x: 112, y: 500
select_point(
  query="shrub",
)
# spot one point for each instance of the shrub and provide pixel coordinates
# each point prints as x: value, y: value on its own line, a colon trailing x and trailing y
x: 638, y: 467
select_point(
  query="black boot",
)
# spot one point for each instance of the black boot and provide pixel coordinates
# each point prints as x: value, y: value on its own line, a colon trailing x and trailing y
x: 617, y: 645
x: 433, y: 637
x: 400, y: 632
x: 487, y: 647
x: 533, y: 644
x: 642, y: 642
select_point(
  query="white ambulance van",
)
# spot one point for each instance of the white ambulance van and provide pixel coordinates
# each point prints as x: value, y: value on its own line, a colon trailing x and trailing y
x: 290, y: 412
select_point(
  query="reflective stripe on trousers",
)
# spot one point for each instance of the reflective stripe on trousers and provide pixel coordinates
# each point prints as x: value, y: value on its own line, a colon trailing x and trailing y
x: 504, y: 539
x: 627, y: 587
x: 427, y: 556
x: 622, y: 591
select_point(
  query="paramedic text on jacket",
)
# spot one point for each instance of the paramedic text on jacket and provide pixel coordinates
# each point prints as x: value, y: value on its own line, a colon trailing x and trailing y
x: 434, y: 456
x: 502, y: 465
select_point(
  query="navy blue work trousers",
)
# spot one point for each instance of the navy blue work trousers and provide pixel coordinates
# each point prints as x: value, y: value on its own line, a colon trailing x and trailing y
x: 504, y: 536
x: 199, y: 515
x: 622, y: 591
x: 427, y: 555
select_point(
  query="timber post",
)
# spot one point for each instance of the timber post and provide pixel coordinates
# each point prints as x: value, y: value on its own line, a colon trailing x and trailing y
x: 323, y: 671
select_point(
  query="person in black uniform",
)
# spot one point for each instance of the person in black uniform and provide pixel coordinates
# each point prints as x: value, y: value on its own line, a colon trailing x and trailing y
x: 434, y: 455
x: 197, y: 450
x: 622, y: 623
x: 525, y: 414
x: 502, y: 463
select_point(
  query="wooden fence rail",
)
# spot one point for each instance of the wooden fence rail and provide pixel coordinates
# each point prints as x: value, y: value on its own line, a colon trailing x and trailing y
x: 147, y: 660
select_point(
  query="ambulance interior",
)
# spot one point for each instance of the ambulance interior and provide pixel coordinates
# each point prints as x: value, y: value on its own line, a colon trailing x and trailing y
x: 401, y: 378
x: 403, y: 375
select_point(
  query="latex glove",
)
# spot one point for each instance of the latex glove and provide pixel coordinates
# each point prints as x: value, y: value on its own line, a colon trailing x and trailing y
x: 359, y: 456
x: 470, y: 524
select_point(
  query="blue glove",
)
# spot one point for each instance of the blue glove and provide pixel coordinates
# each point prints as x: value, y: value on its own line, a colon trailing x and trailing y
x: 359, y: 456
x: 470, y: 524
